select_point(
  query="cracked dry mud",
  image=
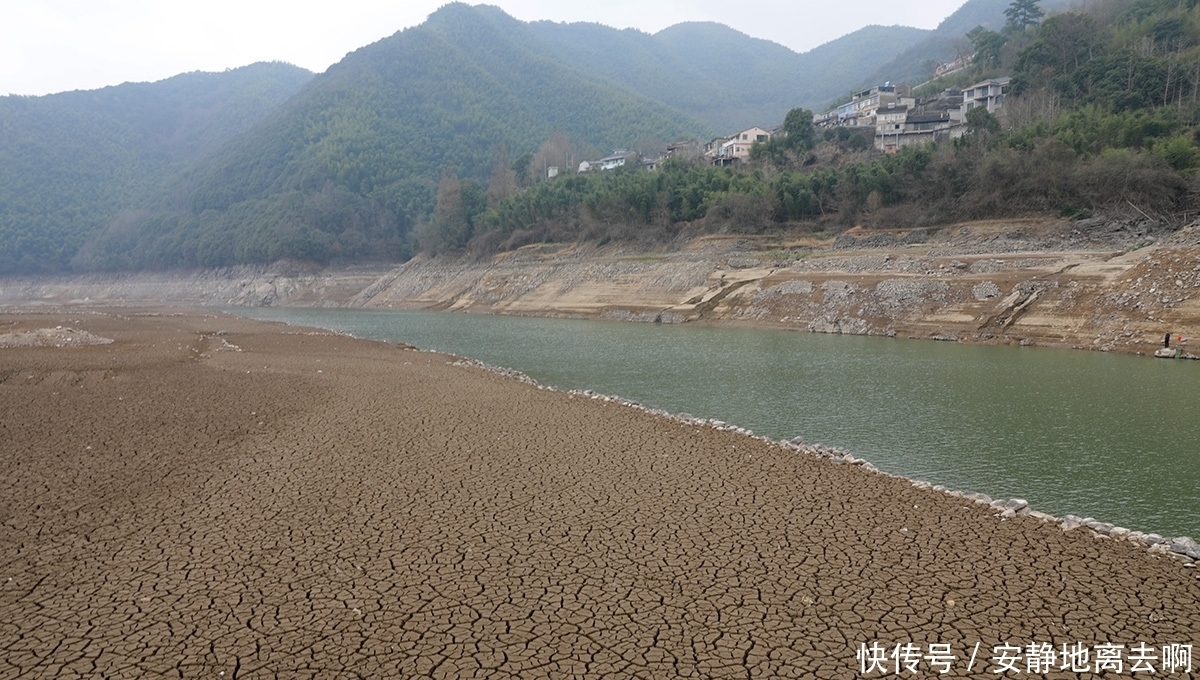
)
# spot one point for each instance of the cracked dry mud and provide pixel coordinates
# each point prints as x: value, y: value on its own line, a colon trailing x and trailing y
x: 276, y: 503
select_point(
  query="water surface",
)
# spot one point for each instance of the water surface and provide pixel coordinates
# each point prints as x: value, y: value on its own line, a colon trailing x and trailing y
x: 1109, y: 436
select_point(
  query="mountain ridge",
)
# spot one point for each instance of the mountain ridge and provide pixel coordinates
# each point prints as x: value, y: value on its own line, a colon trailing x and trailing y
x: 348, y: 165
x: 71, y: 161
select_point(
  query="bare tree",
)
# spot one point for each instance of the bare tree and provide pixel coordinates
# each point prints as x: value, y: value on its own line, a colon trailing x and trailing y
x: 1040, y: 105
x: 555, y: 152
x: 502, y: 183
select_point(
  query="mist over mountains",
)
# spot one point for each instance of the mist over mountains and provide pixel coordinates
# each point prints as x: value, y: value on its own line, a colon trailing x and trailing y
x: 70, y: 162
x: 270, y: 161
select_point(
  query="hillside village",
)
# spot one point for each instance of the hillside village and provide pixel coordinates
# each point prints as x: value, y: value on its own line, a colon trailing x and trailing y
x: 1102, y: 115
x: 897, y: 118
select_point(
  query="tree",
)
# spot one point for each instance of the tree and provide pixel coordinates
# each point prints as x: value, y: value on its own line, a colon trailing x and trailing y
x: 1064, y: 43
x: 503, y: 181
x: 520, y: 168
x: 555, y: 152
x: 798, y: 125
x: 449, y: 228
x: 980, y: 120
x: 988, y: 45
x: 1023, y: 13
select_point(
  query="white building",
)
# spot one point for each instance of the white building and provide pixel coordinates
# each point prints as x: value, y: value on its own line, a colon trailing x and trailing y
x: 989, y: 93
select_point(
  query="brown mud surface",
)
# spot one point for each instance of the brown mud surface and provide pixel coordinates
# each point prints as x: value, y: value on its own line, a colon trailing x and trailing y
x: 209, y: 496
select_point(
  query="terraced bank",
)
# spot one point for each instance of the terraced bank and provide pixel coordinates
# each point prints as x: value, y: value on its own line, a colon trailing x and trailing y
x: 1094, y: 284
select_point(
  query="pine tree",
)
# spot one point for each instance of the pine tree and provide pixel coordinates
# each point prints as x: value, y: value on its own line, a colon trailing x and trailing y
x: 1022, y: 14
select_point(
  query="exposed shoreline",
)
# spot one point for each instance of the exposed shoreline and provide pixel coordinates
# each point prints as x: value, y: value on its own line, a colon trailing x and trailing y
x: 210, y: 493
x: 1181, y: 547
x: 1110, y: 286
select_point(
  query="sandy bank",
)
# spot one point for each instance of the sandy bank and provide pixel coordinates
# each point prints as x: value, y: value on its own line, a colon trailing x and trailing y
x: 210, y: 494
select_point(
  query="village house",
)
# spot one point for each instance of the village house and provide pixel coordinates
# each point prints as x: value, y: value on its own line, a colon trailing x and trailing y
x: 714, y: 146
x: 867, y: 103
x: 921, y: 128
x: 860, y: 110
x: 932, y: 119
x: 889, y: 125
x: 684, y: 149
x: 989, y: 93
x: 612, y: 161
x: 954, y: 66
x: 891, y: 119
x: 737, y: 147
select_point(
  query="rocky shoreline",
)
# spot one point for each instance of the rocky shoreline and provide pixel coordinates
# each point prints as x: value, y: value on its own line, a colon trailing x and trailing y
x: 1181, y: 547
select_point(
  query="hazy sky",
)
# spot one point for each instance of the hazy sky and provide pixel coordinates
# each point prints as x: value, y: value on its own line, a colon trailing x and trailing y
x: 57, y: 45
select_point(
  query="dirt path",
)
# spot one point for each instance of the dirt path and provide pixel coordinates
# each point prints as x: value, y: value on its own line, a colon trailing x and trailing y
x: 212, y: 495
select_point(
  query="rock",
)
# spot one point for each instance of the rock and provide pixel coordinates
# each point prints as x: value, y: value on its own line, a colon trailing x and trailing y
x: 743, y: 262
x: 909, y: 290
x: 1185, y: 541
x: 985, y: 291
x: 785, y: 288
x: 1070, y: 522
x: 845, y: 241
x: 881, y: 240
x: 1092, y: 223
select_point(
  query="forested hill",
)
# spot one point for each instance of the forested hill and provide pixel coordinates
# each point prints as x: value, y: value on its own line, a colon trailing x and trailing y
x: 948, y: 41
x: 725, y: 78
x: 70, y: 162
x: 350, y: 164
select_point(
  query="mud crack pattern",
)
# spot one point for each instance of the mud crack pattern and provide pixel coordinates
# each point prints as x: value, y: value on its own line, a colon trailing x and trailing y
x: 316, y: 506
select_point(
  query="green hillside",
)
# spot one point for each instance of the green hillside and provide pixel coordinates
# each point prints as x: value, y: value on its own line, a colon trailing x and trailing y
x: 440, y: 137
x: 71, y: 162
x: 916, y: 63
x: 349, y: 166
x: 720, y: 76
x: 1102, y: 119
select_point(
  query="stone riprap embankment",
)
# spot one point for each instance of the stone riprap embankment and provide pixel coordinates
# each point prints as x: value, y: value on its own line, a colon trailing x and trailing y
x: 211, y: 495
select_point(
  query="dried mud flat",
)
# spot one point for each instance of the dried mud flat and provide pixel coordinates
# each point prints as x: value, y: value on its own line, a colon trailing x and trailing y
x: 215, y: 497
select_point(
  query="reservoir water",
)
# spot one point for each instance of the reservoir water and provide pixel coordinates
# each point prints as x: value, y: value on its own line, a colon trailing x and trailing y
x: 1108, y: 436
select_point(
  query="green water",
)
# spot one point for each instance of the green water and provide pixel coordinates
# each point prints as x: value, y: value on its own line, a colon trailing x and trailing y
x: 1108, y: 436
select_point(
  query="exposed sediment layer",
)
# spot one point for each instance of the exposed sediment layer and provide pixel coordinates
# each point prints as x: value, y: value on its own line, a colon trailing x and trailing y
x: 1103, y: 286
x: 209, y: 494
